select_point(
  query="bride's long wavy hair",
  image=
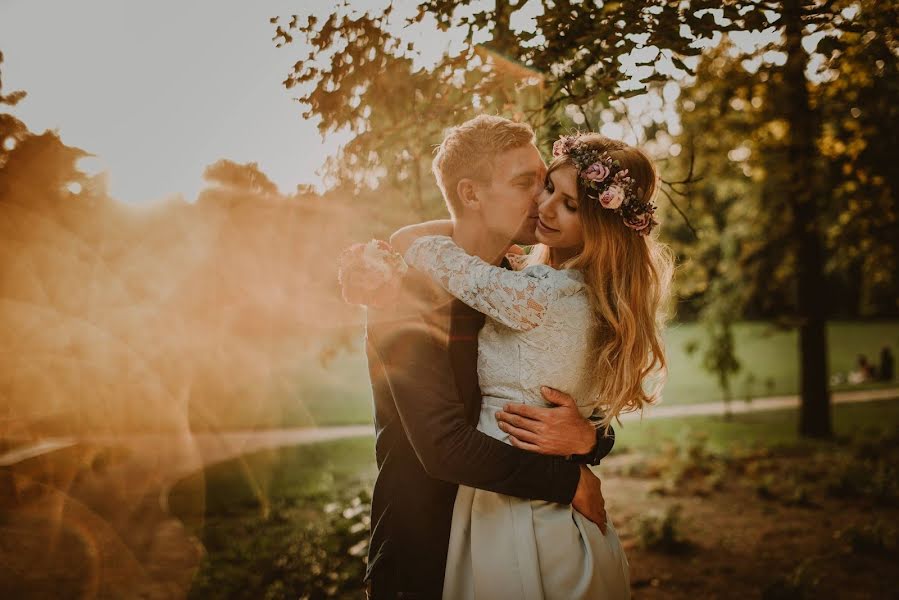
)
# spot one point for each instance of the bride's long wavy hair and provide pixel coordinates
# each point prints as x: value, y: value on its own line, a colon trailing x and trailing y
x: 629, y: 279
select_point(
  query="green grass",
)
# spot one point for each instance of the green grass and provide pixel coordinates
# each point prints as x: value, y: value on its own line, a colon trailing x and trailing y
x: 252, y: 482
x: 340, y: 393
x: 768, y: 429
x: 768, y: 353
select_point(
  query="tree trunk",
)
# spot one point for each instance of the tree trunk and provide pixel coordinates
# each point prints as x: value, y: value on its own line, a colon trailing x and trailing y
x: 814, y: 413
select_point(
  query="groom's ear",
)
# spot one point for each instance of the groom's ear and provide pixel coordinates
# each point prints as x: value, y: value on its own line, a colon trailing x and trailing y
x: 467, y: 190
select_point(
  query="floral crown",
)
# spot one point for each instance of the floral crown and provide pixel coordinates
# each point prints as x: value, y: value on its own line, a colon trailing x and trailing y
x: 609, y: 184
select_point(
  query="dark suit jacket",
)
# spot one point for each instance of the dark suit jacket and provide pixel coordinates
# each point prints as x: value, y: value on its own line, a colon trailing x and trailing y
x: 422, y: 356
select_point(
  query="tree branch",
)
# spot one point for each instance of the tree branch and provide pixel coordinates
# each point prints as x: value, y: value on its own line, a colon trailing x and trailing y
x: 682, y: 214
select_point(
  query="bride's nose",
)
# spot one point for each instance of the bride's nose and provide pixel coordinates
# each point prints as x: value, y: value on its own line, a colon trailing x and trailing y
x: 544, y: 201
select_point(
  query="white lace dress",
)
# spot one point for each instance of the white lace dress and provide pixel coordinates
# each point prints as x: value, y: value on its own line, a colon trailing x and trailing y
x: 537, y: 332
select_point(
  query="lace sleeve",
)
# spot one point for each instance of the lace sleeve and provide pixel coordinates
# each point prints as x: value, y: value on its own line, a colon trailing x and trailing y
x: 517, y: 299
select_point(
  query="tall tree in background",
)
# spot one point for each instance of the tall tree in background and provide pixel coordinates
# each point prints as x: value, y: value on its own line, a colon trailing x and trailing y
x: 803, y: 195
x: 796, y: 116
x: 859, y: 139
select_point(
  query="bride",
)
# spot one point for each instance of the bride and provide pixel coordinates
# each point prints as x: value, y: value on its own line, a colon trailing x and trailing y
x: 583, y: 316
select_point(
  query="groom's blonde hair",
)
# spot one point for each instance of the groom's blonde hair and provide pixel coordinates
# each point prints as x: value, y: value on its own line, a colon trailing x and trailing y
x: 467, y: 152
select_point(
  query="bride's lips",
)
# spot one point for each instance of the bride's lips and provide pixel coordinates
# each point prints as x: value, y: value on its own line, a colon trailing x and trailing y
x: 542, y: 225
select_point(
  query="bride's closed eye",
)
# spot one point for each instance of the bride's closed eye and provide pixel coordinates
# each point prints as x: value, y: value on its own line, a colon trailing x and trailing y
x: 569, y: 205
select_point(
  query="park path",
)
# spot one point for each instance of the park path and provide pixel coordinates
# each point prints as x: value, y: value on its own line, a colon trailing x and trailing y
x: 758, y: 404
x: 132, y: 546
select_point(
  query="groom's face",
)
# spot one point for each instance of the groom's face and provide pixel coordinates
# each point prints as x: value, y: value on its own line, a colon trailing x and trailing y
x: 509, y: 206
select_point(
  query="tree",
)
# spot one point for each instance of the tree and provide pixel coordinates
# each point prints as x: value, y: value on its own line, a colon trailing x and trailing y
x: 12, y: 130
x: 859, y: 136
x: 372, y: 87
x: 244, y: 178
x: 801, y: 223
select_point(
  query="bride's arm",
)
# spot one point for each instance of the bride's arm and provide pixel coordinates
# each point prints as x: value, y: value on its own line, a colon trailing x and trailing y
x: 517, y: 299
x: 403, y: 238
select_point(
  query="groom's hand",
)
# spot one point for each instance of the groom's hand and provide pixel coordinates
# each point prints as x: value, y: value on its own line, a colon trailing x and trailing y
x: 588, y: 498
x: 559, y: 430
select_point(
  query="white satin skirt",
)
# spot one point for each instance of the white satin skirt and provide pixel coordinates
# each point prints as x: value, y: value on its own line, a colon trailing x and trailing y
x: 502, y: 547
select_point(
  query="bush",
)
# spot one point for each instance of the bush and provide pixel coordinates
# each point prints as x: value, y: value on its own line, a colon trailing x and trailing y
x: 291, y: 554
x: 661, y: 532
x: 874, y: 478
x: 872, y: 538
x: 688, y: 467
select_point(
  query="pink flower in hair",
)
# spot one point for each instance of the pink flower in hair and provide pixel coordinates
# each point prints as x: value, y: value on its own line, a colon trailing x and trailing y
x: 612, y: 197
x: 596, y: 172
x: 563, y: 145
x: 641, y: 222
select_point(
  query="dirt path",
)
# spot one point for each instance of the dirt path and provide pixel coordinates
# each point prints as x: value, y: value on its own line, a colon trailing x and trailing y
x: 740, y: 543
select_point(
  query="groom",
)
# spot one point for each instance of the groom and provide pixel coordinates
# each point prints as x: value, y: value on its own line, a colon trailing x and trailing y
x: 422, y: 355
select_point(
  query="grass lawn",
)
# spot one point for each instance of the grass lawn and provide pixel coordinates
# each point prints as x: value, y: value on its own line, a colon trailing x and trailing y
x: 278, y: 524
x: 762, y: 429
x: 340, y: 394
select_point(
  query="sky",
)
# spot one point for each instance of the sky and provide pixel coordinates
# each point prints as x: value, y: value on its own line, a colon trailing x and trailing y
x: 159, y: 90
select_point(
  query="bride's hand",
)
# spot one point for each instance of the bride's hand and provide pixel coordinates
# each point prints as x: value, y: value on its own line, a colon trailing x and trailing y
x: 402, y: 239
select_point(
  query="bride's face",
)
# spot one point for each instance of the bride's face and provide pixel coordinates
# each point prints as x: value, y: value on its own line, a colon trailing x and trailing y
x: 559, y: 224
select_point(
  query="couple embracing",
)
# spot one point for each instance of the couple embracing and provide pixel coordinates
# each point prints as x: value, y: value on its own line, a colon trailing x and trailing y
x: 496, y: 374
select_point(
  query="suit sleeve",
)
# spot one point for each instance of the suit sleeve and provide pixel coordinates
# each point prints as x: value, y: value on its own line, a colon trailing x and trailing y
x: 417, y: 367
x: 604, y: 444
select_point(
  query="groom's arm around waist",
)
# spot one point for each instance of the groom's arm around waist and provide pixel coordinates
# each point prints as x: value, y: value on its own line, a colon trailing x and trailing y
x: 417, y: 368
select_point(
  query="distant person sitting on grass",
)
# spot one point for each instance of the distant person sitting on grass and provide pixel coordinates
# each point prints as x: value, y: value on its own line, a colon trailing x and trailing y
x: 863, y: 371
x: 886, y: 372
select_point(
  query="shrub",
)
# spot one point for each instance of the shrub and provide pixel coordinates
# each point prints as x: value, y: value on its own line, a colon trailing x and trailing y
x: 871, y: 538
x: 661, y: 532
x: 291, y: 553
